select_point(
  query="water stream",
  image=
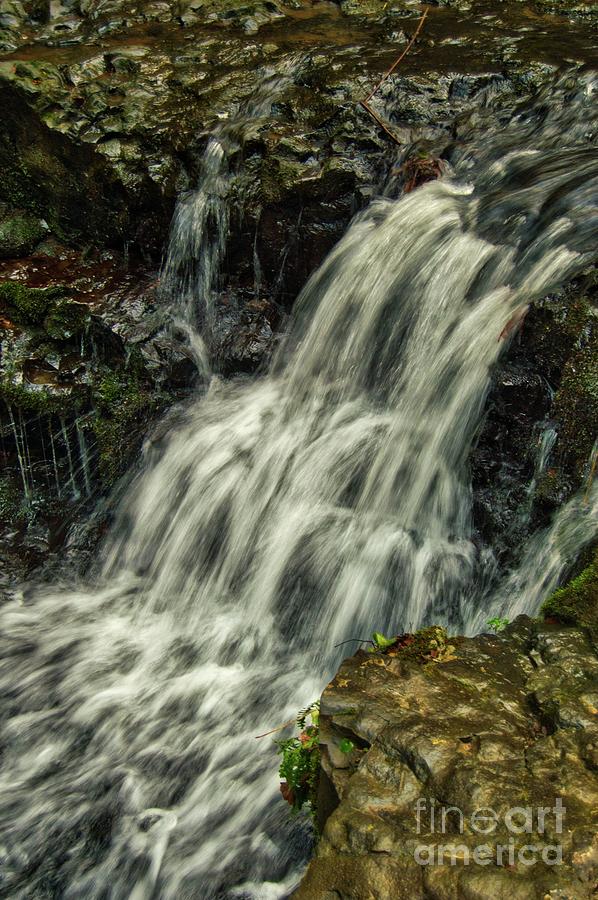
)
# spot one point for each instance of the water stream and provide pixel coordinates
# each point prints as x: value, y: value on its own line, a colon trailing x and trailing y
x: 279, y: 517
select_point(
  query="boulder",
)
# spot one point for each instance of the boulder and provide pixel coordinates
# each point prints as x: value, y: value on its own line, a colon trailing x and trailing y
x: 470, y: 774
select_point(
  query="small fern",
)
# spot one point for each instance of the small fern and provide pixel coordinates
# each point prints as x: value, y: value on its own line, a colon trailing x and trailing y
x: 300, y: 764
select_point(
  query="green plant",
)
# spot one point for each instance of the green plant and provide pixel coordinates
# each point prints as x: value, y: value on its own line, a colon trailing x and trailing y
x: 497, y: 624
x: 300, y: 765
x: 430, y: 644
x: 381, y: 642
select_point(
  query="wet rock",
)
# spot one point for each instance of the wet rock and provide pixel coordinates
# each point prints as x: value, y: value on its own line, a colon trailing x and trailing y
x: 244, y: 339
x: 536, y: 444
x: 571, y: 8
x: 78, y: 378
x: 527, y: 695
x: 126, y: 118
x: 20, y: 233
x: 38, y: 10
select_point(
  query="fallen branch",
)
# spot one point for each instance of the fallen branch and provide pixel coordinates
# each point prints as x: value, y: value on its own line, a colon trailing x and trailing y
x: 274, y: 730
x: 354, y: 641
x: 388, y: 73
x: 366, y: 102
x: 380, y: 121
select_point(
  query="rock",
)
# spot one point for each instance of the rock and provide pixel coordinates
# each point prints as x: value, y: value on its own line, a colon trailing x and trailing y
x: 24, y: 306
x: 571, y: 8
x: 505, y: 725
x: 577, y: 602
x: 38, y: 10
x: 535, y: 447
x: 73, y: 389
x: 128, y: 122
x: 20, y: 234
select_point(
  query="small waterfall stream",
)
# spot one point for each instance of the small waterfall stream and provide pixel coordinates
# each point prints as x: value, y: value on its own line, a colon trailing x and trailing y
x: 201, y: 225
x: 279, y: 517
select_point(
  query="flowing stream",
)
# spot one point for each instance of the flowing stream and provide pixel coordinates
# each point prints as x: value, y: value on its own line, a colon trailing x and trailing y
x: 277, y: 518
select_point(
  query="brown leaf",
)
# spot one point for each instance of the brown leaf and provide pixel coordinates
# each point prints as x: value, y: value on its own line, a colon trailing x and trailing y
x: 287, y: 793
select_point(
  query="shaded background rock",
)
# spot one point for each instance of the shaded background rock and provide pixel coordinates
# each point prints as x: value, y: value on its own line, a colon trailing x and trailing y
x: 536, y: 446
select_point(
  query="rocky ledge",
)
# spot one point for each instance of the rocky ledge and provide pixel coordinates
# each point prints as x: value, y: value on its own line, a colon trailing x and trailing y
x: 483, y: 733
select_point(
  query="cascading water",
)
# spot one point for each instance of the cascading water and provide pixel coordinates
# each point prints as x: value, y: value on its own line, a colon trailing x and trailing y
x: 277, y: 519
x: 201, y: 223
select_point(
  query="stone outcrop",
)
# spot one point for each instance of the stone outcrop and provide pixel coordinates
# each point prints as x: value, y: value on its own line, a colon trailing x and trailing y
x: 534, y: 449
x: 497, y: 726
x: 85, y: 367
x: 107, y: 105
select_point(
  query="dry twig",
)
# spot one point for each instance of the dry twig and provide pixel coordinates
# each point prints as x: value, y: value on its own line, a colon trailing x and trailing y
x: 274, y: 730
x: 366, y: 102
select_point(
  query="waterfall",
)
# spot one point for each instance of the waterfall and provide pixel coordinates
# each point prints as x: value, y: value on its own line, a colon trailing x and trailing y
x: 202, y: 220
x: 277, y: 518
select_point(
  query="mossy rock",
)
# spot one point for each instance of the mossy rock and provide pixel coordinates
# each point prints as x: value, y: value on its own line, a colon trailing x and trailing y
x: 577, y: 602
x: 61, y: 319
x: 123, y: 408
x: 19, y: 235
x: 426, y: 645
x: 66, y: 320
x: 41, y: 400
x: 38, y: 10
x: 11, y: 507
x: 553, y: 487
x: 572, y: 8
x: 29, y: 306
x: 281, y: 179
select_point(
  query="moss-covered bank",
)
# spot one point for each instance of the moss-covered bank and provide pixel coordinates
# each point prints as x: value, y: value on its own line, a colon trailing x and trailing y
x: 576, y: 603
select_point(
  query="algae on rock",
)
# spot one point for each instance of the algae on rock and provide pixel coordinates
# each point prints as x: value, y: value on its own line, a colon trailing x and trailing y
x: 576, y: 603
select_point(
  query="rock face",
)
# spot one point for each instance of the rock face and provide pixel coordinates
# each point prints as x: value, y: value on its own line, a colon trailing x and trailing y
x: 86, y: 365
x: 535, y: 447
x: 499, y: 727
x: 106, y: 107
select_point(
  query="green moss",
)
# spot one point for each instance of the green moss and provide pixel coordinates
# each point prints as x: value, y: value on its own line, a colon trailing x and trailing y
x: 60, y: 318
x: 576, y: 406
x: 577, y: 602
x: 19, y: 234
x: 280, y: 178
x: 40, y: 401
x: 29, y: 306
x: 66, y: 320
x: 11, y: 512
x: 553, y: 487
x: 123, y: 409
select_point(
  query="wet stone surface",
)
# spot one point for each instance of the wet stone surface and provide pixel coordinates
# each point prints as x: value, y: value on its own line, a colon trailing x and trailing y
x: 529, y: 695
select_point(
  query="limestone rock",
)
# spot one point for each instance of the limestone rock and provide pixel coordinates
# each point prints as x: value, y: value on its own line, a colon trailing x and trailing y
x: 486, y: 739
